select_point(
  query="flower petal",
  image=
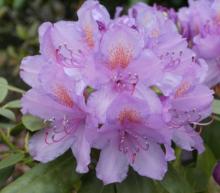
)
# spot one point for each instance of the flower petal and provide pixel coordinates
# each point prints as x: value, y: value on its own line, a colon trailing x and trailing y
x: 120, y: 50
x: 39, y: 104
x: 188, y: 139
x: 198, y: 98
x: 151, y: 163
x: 112, y: 165
x: 81, y: 150
x: 44, y: 152
x: 30, y: 69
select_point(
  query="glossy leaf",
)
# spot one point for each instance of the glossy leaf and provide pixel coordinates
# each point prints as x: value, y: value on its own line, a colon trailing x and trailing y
x: 3, y: 89
x: 17, y: 4
x: 32, y: 123
x: 216, y: 106
x: 7, y: 114
x: 136, y: 183
x: 203, y: 167
x: 109, y: 189
x: 55, y: 177
x: 11, y: 160
x: 16, y: 129
x: 16, y: 104
x: 211, y: 136
x: 6, y: 125
x: 175, y: 182
x: 132, y: 2
x: 91, y: 184
x: 5, y: 174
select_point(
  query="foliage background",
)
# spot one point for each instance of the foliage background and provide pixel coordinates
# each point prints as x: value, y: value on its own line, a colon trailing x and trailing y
x: 19, y: 21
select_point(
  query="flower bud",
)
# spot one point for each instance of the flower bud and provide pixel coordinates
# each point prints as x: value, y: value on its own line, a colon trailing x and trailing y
x: 216, y: 173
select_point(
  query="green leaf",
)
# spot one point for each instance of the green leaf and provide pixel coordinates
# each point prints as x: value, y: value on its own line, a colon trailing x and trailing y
x: 211, y: 136
x: 7, y: 114
x: 5, y: 174
x: 109, y: 189
x: 159, y: 187
x: 55, y: 177
x: 204, y: 166
x: 32, y: 123
x: 132, y: 2
x: 17, y: 4
x: 175, y: 182
x: 3, y: 89
x: 16, y: 104
x: 16, y: 129
x: 11, y: 160
x: 22, y: 32
x: 216, y: 106
x: 213, y: 187
x: 91, y: 184
x: 2, y: 2
x: 136, y: 184
x: 6, y: 125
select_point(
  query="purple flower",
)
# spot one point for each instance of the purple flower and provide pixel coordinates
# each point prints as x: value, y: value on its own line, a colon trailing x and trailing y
x: 147, y: 91
x: 200, y: 24
x: 74, y: 44
x: 216, y: 173
x: 188, y: 106
x: 183, y: 75
x: 124, y: 60
x: 53, y: 99
x: 132, y: 132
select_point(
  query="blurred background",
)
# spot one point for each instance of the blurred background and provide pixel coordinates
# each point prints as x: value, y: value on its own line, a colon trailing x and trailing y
x: 19, y: 21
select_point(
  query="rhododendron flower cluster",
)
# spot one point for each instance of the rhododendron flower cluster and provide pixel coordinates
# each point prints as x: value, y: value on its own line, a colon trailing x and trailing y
x: 127, y: 86
x: 200, y: 24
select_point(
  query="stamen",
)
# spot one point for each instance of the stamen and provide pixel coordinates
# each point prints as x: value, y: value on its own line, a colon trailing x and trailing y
x: 65, y: 57
x: 125, y: 82
x: 171, y: 60
x: 180, y: 119
x: 132, y: 143
x: 204, y: 124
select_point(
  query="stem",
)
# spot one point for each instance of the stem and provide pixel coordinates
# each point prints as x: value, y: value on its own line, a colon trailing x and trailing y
x: 216, y: 117
x: 177, y: 162
x: 6, y: 141
x: 14, y: 89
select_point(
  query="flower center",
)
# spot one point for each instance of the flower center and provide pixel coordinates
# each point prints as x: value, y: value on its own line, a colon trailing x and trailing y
x: 59, y: 129
x: 180, y: 118
x: 184, y: 87
x: 120, y: 56
x: 131, y: 143
x: 171, y: 60
x: 125, y: 82
x: 63, y: 96
x: 129, y: 115
x: 65, y: 57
